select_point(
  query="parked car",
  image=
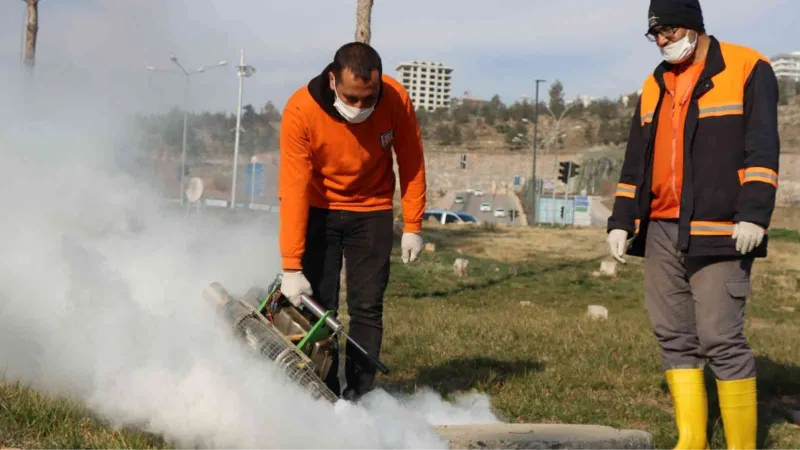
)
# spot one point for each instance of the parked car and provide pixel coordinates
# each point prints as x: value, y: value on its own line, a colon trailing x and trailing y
x: 459, y: 199
x: 478, y: 192
x: 445, y: 217
x: 499, y: 212
x: 466, y: 218
x: 486, y: 207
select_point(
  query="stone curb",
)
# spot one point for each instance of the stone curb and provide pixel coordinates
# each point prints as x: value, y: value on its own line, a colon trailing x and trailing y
x: 543, y: 436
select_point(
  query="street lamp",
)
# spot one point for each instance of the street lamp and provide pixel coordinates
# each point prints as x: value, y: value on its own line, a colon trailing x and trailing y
x: 243, y: 72
x: 188, y: 75
x: 535, y: 132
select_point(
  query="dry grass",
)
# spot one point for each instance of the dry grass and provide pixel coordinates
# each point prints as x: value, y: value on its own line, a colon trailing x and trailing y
x: 786, y: 217
x: 31, y: 420
x: 516, y: 328
x: 515, y: 244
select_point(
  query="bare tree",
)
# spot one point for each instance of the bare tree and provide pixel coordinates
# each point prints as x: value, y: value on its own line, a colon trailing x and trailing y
x: 364, y: 21
x: 32, y: 30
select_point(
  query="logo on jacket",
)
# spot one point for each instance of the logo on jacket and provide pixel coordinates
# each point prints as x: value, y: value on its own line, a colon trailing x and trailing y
x: 387, y: 139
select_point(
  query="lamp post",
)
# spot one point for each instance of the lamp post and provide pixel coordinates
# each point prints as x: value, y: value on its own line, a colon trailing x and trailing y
x: 243, y: 71
x: 533, y: 171
x: 188, y: 75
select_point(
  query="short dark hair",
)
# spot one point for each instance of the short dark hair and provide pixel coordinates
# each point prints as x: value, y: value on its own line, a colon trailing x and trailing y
x: 360, y: 58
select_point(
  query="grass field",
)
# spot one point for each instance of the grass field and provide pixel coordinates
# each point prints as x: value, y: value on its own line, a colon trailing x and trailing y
x: 516, y: 329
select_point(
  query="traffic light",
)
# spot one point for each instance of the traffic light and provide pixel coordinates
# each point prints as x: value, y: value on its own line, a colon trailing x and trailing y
x: 563, y: 171
x: 573, y: 170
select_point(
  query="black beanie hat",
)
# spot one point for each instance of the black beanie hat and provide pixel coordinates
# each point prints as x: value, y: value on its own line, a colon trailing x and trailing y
x: 678, y: 13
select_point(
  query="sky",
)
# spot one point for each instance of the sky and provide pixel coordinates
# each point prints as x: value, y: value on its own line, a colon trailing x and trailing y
x: 495, y: 47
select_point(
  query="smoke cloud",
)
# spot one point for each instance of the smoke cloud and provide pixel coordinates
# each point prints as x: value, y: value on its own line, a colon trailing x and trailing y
x: 101, y: 281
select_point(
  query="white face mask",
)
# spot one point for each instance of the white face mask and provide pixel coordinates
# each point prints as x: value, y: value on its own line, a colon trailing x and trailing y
x: 351, y: 113
x: 679, y: 51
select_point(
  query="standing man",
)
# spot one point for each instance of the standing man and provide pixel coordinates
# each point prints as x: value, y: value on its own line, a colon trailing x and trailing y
x: 696, y: 193
x: 336, y: 188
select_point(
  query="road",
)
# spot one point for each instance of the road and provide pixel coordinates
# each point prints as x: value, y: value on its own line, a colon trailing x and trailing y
x: 472, y: 204
x: 600, y: 213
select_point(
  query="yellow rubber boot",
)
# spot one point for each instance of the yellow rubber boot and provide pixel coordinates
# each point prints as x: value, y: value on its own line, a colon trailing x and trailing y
x: 690, y: 402
x: 739, y: 410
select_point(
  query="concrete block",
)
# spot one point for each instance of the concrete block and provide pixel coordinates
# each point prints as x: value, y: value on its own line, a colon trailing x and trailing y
x: 543, y: 436
x: 460, y: 267
x: 608, y: 268
x: 597, y: 312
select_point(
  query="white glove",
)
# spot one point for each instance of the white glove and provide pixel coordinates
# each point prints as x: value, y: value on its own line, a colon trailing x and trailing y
x: 293, y: 285
x: 748, y: 236
x: 616, y: 244
x: 411, y: 245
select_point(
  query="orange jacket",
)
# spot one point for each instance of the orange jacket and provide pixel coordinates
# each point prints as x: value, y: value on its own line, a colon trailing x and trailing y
x: 326, y: 162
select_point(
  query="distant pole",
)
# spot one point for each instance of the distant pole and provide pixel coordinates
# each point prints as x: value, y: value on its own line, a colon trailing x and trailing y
x: 243, y: 71
x: 238, y: 126
x: 566, y: 190
x: 533, y: 171
x: 553, y: 221
x: 185, y: 130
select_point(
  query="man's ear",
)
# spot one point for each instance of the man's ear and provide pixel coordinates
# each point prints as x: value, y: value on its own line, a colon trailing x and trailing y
x: 332, y: 81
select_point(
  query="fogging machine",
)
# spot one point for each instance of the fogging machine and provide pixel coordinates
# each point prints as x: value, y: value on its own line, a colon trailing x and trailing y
x: 302, y: 340
x: 325, y: 325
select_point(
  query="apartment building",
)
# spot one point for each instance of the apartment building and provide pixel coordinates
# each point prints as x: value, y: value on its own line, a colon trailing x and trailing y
x: 428, y: 83
x: 787, y: 65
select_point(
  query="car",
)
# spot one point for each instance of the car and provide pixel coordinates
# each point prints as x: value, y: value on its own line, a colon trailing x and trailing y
x: 466, y: 218
x: 446, y: 217
x: 486, y: 207
x: 499, y: 212
x: 459, y: 199
x: 478, y: 193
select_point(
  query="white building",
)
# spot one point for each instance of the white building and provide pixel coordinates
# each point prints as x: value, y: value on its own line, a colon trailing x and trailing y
x: 787, y: 65
x: 586, y: 100
x: 428, y: 83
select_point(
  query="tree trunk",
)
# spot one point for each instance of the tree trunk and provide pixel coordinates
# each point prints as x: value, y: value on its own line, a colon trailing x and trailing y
x: 32, y: 29
x: 363, y: 21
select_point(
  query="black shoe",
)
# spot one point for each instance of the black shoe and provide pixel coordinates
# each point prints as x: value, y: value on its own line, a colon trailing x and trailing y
x: 351, y: 395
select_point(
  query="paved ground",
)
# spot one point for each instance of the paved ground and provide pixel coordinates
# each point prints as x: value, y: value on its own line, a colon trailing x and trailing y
x: 543, y: 436
x: 600, y: 213
x: 472, y: 206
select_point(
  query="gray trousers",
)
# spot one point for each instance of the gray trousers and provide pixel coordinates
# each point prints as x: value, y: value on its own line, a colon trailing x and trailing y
x: 696, y: 306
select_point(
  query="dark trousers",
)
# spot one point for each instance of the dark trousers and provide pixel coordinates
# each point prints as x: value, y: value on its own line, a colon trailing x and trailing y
x: 364, y: 239
x: 696, y: 306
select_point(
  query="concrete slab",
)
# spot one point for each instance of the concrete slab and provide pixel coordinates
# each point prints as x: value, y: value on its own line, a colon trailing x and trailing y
x: 543, y: 436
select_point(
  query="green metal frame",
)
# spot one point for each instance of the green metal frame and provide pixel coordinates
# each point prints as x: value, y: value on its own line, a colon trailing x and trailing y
x: 318, y: 332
